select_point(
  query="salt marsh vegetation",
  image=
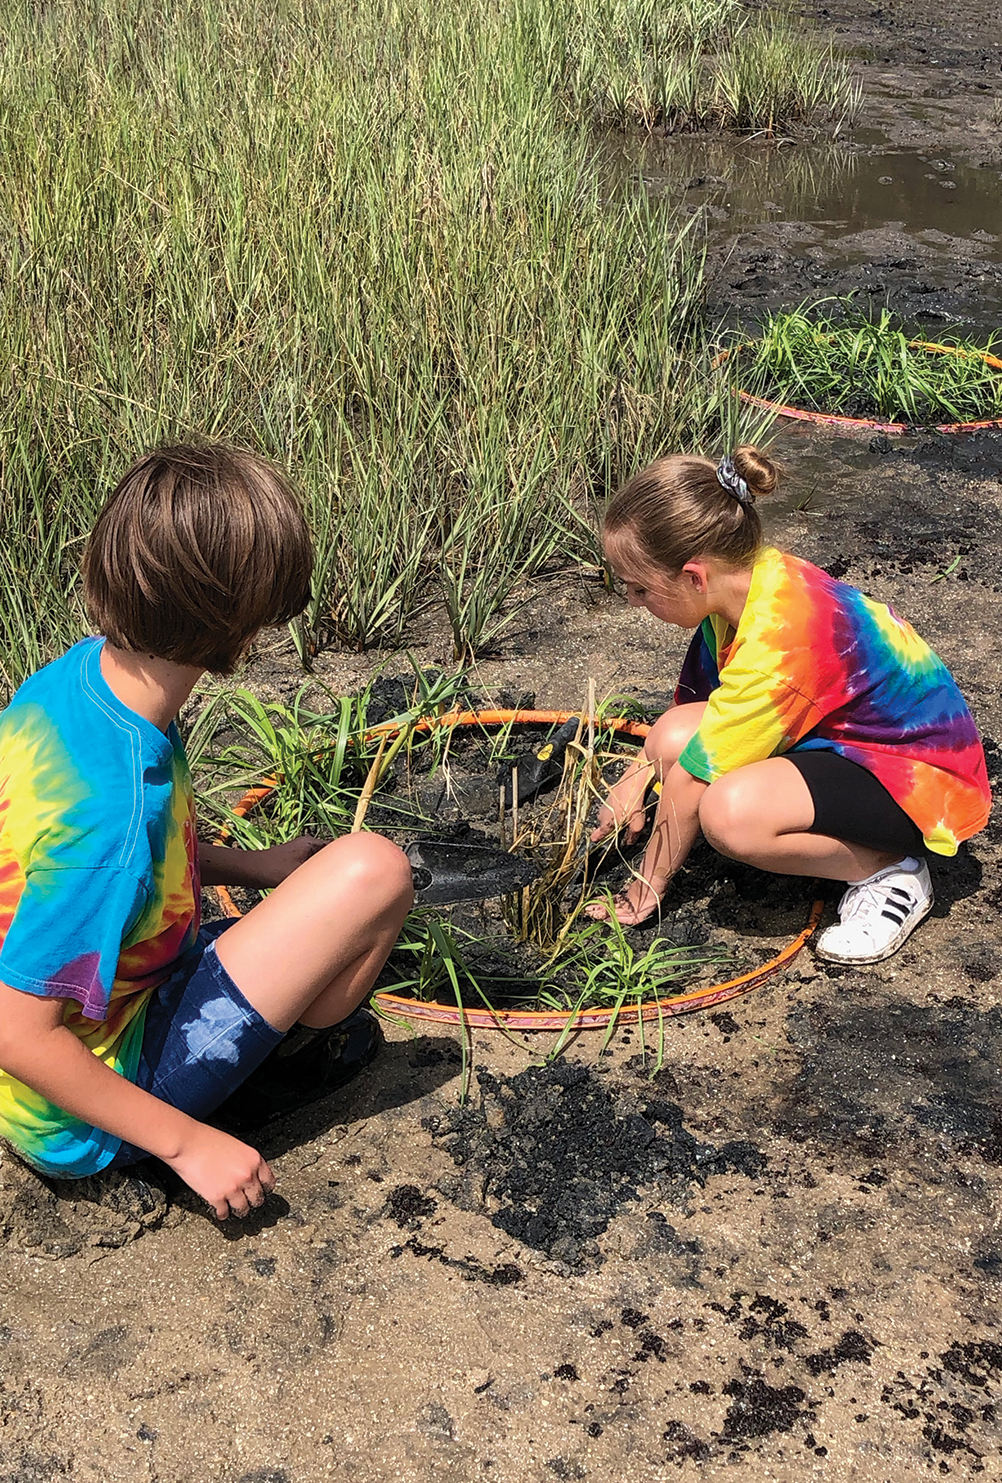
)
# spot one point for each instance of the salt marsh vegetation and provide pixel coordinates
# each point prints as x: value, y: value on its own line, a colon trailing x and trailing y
x: 372, y: 241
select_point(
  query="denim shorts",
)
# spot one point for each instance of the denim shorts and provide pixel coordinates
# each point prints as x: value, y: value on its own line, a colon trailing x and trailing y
x: 201, y: 1038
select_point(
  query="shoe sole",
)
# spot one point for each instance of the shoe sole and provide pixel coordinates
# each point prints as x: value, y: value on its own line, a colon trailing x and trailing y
x: 895, y: 945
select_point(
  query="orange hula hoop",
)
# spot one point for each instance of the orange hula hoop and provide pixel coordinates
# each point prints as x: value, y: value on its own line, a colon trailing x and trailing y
x: 864, y: 424
x: 534, y: 1019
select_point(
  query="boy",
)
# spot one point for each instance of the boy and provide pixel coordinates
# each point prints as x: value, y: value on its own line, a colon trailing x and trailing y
x: 122, y: 1024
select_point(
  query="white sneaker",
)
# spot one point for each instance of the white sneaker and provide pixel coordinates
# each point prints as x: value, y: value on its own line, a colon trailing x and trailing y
x: 878, y: 914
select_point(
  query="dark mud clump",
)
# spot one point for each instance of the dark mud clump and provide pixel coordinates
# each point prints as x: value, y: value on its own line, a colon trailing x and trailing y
x: 853, y: 1346
x: 503, y: 1276
x: 757, y: 1409
x: 976, y: 1363
x: 683, y: 1444
x: 764, y: 1317
x: 408, y: 1206
x: 62, y: 1217
x: 554, y: 1152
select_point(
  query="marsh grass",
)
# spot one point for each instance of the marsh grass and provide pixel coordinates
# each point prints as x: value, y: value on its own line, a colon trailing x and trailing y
x: 372, y: 242
x: 855, y: 366
x: 326, y: 763
x: 691, y: 64
x: 321, y: 761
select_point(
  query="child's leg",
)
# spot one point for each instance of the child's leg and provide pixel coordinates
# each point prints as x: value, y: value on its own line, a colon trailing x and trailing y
x: 774, y: 816
x: 310, y: 952
x: 663, y: 745
x: 763, y: 814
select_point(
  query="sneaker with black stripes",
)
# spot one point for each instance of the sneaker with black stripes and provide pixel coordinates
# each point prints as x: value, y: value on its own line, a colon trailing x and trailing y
x: 878, y: 914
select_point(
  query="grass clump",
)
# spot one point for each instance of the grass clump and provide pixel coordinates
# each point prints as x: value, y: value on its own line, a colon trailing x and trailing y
x: 693, y: 64
x: 334, y: 771
x: 372, y: 242
x: 319, y: 767
x: 854, y: 366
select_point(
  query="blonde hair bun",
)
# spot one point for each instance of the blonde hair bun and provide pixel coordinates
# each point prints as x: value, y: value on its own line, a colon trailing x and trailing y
x: 681, y: 507
x: 757, y: 469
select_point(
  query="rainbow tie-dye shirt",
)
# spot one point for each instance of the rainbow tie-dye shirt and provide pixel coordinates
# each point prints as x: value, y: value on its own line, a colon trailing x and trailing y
x: 815, y: 664
x: 99, y: 886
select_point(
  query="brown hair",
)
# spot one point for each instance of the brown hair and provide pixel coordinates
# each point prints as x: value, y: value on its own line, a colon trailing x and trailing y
x: 677, y: 509
x: 196, y: 550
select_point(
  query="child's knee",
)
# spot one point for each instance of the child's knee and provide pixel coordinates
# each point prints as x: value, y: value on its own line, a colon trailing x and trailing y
x: 727, y: 817
x: 671, y: 733
x: 374, y: 867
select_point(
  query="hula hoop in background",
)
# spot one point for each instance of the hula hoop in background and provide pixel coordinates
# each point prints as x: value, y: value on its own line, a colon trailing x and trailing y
x: 864, y: 424
x: 534, y: 1019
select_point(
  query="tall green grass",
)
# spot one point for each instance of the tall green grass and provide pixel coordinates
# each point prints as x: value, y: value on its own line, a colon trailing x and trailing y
x: 692, y: 64
x: 370, y: 240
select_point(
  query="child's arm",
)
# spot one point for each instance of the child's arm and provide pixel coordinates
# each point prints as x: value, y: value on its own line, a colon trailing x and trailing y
x: 624, y: 802
x: 258, y: 869
x: 676, y: 825
x: 37, y: 1049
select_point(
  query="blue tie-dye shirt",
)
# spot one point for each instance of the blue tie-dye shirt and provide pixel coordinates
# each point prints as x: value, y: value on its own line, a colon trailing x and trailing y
x: 99, y: 886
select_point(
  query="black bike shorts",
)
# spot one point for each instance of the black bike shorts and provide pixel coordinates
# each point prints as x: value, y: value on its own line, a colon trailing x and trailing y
x: 852, y: 805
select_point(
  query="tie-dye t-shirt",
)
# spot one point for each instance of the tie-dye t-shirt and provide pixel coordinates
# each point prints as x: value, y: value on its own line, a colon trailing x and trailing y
x: 814, y: 664
x: 99, y: 888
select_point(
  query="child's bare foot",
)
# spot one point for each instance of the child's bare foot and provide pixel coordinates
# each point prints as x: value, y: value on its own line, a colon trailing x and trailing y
x: 630, y: 907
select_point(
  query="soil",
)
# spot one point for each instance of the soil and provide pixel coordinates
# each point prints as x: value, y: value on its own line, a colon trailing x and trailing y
x: 779, y: 1259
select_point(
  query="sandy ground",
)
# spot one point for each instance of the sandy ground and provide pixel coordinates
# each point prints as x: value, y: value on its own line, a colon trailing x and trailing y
x: 780, y: 1256
x: 779, y: 1259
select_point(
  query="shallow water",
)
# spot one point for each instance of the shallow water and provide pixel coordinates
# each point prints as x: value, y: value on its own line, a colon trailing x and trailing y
x: 847, y: 191
x: 915, y: 228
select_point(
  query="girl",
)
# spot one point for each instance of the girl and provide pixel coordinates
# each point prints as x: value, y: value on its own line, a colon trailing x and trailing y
x: 813, y: 732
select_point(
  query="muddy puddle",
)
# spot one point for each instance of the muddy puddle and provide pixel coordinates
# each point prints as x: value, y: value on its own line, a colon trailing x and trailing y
x: 840, y: 189
x: 918, y: 228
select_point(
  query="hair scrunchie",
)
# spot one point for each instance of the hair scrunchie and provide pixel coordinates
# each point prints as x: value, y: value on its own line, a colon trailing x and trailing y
x: 729, y: 478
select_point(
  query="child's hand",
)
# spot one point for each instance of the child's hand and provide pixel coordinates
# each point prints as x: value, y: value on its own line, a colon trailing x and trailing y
x: 222, y: 865
x: 282, y: 859
x: 228, y: 1174
x: 624, y: 804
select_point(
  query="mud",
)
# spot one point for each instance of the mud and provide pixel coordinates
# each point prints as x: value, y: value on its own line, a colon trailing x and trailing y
x: 779, y: 1259
x: 529, y: 1158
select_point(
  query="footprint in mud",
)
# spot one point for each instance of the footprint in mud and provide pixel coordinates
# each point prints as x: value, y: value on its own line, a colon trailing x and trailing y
x: 59, y: 1217
x: 881, y: 1077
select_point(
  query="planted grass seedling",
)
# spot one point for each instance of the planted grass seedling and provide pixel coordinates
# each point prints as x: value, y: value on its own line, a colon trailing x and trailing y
x: 335, y: 773
x: 588, y: 964
x: 852, y: 366
x: 321, y: 760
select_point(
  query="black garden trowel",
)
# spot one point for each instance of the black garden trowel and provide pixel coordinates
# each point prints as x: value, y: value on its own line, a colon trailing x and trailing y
x: 448, y: 870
